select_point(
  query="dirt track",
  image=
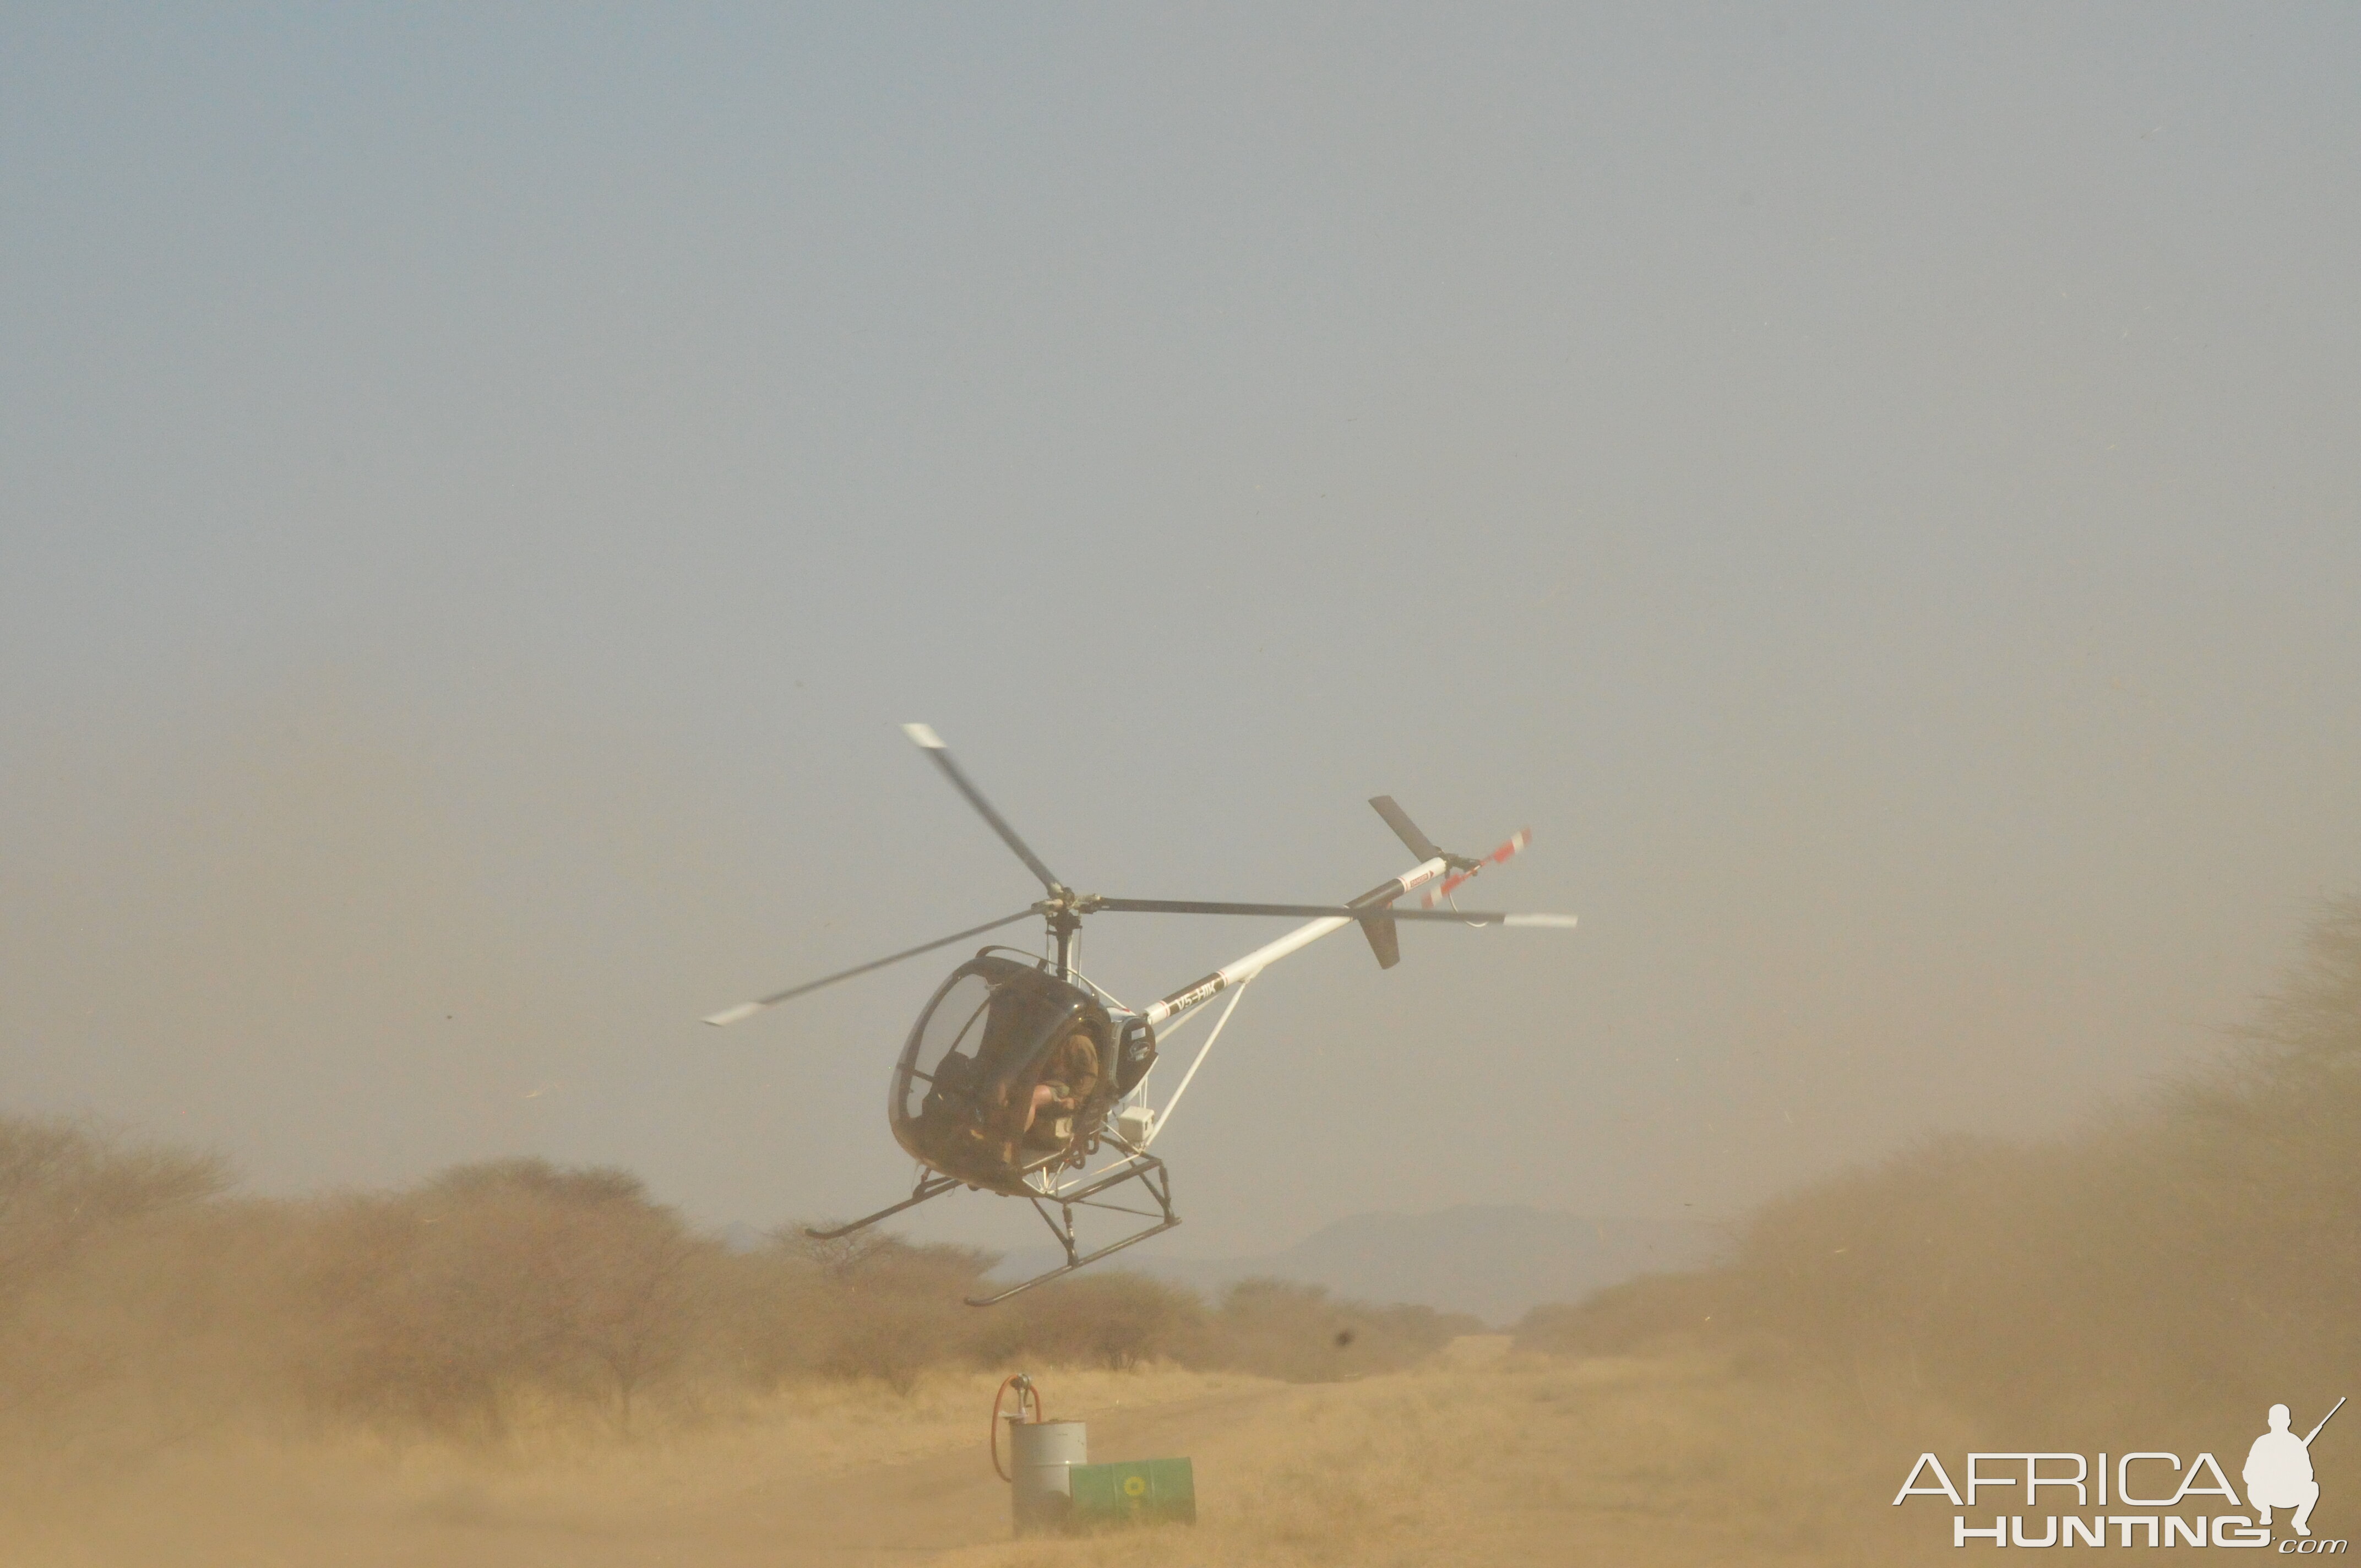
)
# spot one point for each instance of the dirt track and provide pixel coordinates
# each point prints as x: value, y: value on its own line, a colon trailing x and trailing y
x: 1477, y: 1459
x: 915, y: 1510
x: 911, y: 1512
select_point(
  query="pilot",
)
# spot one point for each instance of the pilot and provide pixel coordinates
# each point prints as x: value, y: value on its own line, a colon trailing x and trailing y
x: 1070, y: 1072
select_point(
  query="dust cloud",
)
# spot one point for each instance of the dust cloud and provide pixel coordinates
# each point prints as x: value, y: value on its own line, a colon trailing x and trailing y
x: 266, y: 929
x: 511, y: 1355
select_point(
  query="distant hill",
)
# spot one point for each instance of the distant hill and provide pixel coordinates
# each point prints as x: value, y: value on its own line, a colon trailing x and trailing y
x: 1495, y: 1261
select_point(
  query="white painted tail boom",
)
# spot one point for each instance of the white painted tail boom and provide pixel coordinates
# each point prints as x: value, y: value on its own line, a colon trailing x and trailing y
x: 1237, y: 972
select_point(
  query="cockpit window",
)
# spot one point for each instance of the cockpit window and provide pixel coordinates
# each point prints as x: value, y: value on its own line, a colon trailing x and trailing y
x: 1022, y: 1018
x: 958, y: 1026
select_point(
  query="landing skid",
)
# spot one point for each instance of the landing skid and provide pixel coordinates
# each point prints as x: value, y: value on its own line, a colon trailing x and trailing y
x: 1150, y: 1175
x: 928, y: 1187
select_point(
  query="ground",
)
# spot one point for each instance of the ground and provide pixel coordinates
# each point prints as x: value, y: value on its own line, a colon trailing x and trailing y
x: 1480, y: 1457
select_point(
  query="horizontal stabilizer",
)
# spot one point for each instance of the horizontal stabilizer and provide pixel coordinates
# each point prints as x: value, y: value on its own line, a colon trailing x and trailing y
x: 1384, y: 939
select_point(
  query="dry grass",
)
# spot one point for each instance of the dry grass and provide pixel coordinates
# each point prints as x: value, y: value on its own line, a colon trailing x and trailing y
x: 821, y: 1431
x: 1479, y: 1457
x: 235, y: 1496
x: 1522, y: 1458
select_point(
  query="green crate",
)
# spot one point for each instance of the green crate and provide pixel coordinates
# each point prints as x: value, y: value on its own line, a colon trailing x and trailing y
x: 1144, y: 1491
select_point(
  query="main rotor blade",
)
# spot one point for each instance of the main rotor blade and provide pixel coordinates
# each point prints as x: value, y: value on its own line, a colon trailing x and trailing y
x: 1319, y: 911
x: 1398, y: 819
x: 748, y: 1009
x: 932, y: 744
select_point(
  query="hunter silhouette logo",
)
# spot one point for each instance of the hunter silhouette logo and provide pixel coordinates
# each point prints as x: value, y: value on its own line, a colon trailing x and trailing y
x: 2278, y: 1471
x: 2163, y: 1502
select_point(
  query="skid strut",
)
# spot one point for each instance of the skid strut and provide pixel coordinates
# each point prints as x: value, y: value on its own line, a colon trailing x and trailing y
x: 928, y: 1187
x: 1146, y: 1170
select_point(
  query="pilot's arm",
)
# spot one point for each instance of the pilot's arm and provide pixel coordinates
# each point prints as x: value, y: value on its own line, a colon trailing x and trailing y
x: 1081, y: 1066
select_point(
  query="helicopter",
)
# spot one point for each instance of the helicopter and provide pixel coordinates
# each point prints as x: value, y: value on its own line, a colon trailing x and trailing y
x: 1025, y: 1078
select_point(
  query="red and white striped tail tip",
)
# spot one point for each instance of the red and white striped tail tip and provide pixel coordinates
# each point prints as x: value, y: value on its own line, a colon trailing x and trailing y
x: 1499, y: 857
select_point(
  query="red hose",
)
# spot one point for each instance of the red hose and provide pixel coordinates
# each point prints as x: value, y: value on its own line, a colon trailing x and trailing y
x: 1024, y: 1391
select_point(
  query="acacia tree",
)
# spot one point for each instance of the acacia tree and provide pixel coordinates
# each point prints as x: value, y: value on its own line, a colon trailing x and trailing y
x: 636, y: 1312
x: 506, y: 1277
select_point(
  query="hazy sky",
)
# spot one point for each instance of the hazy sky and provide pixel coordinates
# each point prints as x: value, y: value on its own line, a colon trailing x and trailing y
x: 1874, y: 489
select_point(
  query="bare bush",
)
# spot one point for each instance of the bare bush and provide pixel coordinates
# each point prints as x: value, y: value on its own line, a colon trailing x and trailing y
x: 80, y: 1214
x: 494, y: 1280
x: 62, y: 1182
x: 894, y: 1309
x: 1113, y: 1319
x: 139, y: 1303
x: 2183, y: 1266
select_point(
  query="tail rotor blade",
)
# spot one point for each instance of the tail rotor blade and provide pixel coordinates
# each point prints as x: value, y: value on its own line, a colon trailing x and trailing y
x: 1500, y: 857
x: 729, y: 1016
x: 932, y: 744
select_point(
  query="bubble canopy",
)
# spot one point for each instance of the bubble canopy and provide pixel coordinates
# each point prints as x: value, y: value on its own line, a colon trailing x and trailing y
x: 962, y: 1100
